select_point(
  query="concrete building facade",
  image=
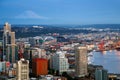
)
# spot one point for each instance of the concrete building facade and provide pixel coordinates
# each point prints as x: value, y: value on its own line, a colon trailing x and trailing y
x: 22, y: 70
x: 60, y: 62
x: 81, y: 61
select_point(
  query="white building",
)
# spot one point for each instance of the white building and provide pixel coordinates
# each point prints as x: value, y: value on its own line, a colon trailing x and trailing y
x: 60, y: 62
x: 22, y: 69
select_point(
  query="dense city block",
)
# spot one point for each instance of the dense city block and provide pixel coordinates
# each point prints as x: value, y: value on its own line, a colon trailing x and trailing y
x: 57, y: 52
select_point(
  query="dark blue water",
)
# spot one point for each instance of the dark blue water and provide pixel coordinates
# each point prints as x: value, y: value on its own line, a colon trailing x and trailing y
x: 110, y: 60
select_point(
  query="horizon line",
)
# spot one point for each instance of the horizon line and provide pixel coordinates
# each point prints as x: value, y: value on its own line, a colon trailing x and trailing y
x: 67, y: 24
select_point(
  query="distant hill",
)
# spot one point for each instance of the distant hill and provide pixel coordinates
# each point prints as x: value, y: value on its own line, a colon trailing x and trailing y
x: 31, y: 30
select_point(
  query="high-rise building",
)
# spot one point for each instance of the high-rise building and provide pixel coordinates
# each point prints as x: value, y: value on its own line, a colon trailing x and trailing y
x: 60, y: 62
x: 22, y: 69
x: 101, y: 74
x: 8, y: 44
x: 81, y: 61
x: 39, y: 66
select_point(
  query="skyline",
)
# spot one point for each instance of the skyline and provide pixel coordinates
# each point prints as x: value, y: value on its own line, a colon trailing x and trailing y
x: 60, y: 12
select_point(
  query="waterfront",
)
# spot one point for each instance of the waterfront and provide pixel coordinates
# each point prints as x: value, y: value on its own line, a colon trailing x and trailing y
x: 110, y: 60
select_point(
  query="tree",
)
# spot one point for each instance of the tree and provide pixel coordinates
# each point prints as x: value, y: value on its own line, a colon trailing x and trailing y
x: 51, y: 71
x: 57, y: 73
x: 64, y: 74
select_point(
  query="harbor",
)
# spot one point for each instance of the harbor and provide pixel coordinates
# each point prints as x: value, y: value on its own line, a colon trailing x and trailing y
x: 110, y: 60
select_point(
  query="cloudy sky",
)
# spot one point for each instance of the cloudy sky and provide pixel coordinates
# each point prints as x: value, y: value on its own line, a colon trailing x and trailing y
x: 60, y: 11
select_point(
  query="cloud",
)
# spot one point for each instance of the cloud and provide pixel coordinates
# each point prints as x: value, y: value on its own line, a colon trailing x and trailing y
x: 29, y: 15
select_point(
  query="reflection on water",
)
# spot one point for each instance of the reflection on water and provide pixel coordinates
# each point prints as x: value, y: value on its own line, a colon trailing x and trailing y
x: 110, y: 60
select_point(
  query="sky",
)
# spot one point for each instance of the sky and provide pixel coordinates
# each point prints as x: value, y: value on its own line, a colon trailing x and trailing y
x: 60, y: 11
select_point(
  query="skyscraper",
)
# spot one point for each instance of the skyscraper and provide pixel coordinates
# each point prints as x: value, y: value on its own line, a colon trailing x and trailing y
x: 81, y: 61
x: 8, y: 44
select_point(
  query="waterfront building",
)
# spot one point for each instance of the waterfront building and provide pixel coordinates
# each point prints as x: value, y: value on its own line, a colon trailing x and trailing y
x: 22, y: 69
x: 8, y: 44
x: 60, y: 62
x: 81, y: 61
x: 40, y: 66
x: 101, y: 74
